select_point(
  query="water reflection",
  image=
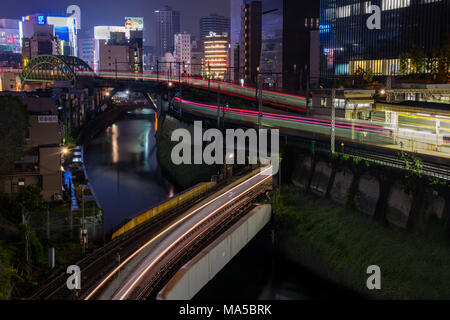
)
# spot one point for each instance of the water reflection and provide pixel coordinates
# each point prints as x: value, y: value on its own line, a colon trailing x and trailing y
x: 123, y: 169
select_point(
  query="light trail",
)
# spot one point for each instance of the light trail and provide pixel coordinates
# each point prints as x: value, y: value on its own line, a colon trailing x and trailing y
x: 161, y: 234
x: 148, y: 267
x: 321, y: 122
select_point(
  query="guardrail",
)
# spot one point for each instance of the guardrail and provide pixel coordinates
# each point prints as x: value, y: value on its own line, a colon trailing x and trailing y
x: 164, y: 207
x: 392, y: 159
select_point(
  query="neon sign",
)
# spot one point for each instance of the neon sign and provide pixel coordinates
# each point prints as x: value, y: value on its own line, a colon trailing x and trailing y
x: 41, y: 20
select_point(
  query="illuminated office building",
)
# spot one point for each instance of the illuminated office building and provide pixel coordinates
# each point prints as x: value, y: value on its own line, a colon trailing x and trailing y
x: 250, y: 47
x: 301, y: 21
x: 60, y: 30
x: 216, y: 56
x: 119, y: 48
x: 346, y: 43
x: 10, y: 36
x: 168, y: 24
x: 213, y: 23
x: 182, y: 53
x: 86, y: 51
x: 272, y: 43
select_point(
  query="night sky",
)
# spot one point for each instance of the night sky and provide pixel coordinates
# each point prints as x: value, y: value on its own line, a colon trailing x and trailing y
x: 112, y: 12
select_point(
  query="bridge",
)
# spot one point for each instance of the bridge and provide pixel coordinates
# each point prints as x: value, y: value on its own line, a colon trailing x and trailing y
x: 47, y: 68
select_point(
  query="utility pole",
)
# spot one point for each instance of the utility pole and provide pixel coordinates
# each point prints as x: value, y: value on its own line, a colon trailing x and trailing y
x: 25, y: 224
x: 209, y: 79
x: 94, y: 217
x: 116, y: 67
x: 83, y: 246
x: 333, y: 120
x: 260, y: 100
x: 218, y: 107
x: 157, y: 71
x: 48, y: 222
x: 70, y: 209
x: 179, y: 77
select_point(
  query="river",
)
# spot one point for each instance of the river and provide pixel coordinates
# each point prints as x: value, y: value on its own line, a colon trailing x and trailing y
x: 123, y: 169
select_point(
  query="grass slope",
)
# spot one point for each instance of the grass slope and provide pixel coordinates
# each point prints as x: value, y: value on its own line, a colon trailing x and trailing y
x: 339, y: 244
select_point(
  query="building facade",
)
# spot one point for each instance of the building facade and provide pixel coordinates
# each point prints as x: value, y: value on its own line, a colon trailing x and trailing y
x: 86, y: 51
x: 300, y: 19
x: 167, y: 25
x: 250, y: 47
x: 41, y: 164
x: 182, y: 53
x: 272, y: 43
x: 113, y: 57
x: 10, y: 36
x: 216, y: 56
x: 213, y: 23
x: 37, y: 40
x: 236, y: 11
x: 346, y: 43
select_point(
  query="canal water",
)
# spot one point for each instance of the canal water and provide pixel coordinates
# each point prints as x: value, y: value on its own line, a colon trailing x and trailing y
x: 124, y: 172
x: 123, y: 169
x: 260, y: 272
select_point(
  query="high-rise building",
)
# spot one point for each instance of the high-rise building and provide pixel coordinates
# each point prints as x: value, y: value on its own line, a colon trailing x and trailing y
x: 113, y: 56
x: 346, y: 43
x: 38, y: 39
x: 167, y: 25
x: 216, y: 56
x: 120, y: 45
x: 86, y: 51
x: 271, y: 63
x: 197, y: 58
x: 182, y: 53
x: 250, y: 47
x: 236, y: 11
x: 213, y: 23
x: 10, y: 36
x: 149, y: 58
x: 136, y: 50
x: 62, y: 30
x: 300, y: 19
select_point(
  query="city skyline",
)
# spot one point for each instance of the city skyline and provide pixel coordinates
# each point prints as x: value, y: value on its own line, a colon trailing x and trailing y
x: 113, y: 13
x: 232, y: 150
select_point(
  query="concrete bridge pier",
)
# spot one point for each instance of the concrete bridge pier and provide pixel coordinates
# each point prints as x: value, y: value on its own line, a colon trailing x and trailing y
x: 195, y: 274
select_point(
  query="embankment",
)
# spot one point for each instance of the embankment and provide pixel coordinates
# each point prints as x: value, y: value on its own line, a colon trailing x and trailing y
x: 340, y: 215
x: 183, y: 176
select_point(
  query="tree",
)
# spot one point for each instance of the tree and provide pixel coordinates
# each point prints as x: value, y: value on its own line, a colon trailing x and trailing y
x: 404, y: 63
x: 443, y: 64
x: 8, y: 274
x: 417, y: 59
x: 366, y: 75
x: 13, y: 131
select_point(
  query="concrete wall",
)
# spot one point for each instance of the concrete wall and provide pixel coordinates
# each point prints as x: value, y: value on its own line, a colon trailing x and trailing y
x: 193, y: 276
x: 302, y: 172
x: 322, y: 174
x: 368, y: 194
x: 399, y: 206
x: 341, y: 186
x: 390, y: 200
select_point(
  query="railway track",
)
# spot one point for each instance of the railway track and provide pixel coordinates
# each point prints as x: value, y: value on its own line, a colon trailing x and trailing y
x: 192, y: 243
x: 103, y: 260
